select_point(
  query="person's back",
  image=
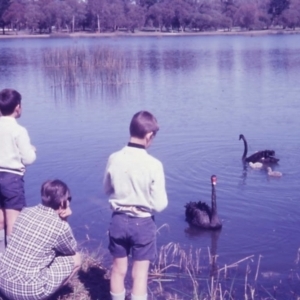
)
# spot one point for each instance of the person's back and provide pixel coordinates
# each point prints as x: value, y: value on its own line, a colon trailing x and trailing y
x: 135, y: 183
x: 138, y: 181
x: 32, y: 245
x: 41, y: 255
x: 16, y: 152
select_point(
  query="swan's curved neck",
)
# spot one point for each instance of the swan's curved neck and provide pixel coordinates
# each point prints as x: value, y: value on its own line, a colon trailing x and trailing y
x: 213, y: 200
x: 245, y: 148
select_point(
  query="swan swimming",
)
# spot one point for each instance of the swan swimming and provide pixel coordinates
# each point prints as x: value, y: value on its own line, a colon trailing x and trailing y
x: 264, y: 156
x: 199, y: 214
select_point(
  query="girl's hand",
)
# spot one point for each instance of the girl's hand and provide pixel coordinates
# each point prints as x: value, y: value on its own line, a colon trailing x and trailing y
x: 64, y: 213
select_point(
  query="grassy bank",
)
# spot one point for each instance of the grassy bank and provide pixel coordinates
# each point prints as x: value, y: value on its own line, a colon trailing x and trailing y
x: 273, y: 31
x: 189, y: 274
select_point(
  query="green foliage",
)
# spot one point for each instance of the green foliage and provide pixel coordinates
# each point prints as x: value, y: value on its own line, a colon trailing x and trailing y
x: 3, y: 7
x: 277, y: 7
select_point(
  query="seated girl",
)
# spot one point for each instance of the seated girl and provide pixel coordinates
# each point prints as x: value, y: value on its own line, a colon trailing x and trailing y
x: 41, y: 255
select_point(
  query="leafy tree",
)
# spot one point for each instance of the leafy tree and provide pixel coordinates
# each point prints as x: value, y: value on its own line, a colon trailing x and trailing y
x: 166, y: 14
x: 277, y: 7
x: 263, y: 20
x: 245, y: 16
x: 291, y: 17
x: 115, y: 14
x: 96, y: 10
x: 229, y: 8
x: 3, y: 6
x: 182, y: 14
x: 201, y: 21
x: 135, y: 16
x: 34, y: 16
x: 15, y: 14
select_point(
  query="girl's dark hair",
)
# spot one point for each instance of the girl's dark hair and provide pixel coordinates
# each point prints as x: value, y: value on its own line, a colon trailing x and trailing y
x: 9, y: 99
x: 53, y: 192
x: 142, y: 123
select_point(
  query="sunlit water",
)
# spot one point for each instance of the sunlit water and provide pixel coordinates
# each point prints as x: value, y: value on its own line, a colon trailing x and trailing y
x: 205, y: 91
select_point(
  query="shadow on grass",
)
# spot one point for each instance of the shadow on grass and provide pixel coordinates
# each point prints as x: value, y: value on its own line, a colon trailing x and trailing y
x: 95, y: 282
x: 90, y: 284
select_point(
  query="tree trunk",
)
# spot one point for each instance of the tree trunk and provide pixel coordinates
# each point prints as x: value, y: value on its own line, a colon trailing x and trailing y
x: 98, y: 23
x: 73, y: 23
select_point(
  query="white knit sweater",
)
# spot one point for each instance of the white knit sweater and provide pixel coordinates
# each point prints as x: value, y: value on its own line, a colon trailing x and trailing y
x: 16, y: 150
x: 135, y: 182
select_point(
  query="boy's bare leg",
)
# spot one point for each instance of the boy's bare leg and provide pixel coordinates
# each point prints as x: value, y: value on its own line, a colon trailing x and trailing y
x: 10, y: 218
x: 2, y: 232
x: 118, y: 273
x: 2, y: 220
x: 140, y: 279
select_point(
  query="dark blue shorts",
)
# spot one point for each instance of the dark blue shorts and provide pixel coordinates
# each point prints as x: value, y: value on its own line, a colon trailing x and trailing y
x: 12, y: 194
x: 130, y: 234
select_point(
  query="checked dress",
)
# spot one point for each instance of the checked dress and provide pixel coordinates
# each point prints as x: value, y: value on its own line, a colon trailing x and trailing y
x: 38, y: 258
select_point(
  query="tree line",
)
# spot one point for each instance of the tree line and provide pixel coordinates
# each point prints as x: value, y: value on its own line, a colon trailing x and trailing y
x: 47, y: 16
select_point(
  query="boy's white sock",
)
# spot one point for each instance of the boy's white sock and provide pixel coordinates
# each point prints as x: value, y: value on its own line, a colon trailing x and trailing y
x: 120, y: 296
x: 133, y: 297
x: 2, y: 241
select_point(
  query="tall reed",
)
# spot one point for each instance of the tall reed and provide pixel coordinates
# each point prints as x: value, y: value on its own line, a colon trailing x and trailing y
x: 80, y: 66
x: 203, y: 281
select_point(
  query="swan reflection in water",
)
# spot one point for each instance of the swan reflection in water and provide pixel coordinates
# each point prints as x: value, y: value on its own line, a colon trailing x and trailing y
x: 194, y: 232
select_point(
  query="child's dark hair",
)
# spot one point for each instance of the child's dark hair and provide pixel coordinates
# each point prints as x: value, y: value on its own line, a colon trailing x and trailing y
x: 142, y: 123
x: 9, y: 99
x: 53, y: 192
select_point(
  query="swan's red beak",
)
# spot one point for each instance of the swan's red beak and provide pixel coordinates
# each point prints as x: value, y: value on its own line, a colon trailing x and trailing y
x: 214, y: 179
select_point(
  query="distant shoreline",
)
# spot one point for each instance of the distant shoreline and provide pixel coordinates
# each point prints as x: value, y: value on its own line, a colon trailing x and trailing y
x: 9, y: 35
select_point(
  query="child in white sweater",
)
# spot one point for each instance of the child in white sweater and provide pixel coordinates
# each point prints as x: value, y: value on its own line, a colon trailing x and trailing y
x: 135, y: 183
x: 16, y: 152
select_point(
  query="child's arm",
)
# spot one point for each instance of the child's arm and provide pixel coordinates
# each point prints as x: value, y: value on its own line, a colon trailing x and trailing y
x: 27, y: 151
x: 107, y: 186
x: 158, y: 190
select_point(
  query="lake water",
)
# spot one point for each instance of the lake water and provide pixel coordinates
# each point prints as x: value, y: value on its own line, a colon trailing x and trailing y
x: 204, y: 91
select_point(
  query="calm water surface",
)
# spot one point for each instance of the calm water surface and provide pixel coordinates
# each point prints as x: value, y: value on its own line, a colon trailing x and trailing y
x: 205, y: 91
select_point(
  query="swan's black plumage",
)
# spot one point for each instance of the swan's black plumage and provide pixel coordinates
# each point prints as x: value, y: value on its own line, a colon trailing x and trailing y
x: 199, y: 214
x: 264, y: 156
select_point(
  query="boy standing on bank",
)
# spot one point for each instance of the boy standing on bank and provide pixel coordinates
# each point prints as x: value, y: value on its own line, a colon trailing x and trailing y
x: 135, y: 183
x: 16, y: 152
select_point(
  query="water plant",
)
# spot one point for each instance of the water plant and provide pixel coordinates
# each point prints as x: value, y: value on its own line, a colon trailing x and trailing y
x: 98, y: 66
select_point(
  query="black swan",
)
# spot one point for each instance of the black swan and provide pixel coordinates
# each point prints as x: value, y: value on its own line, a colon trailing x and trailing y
x: 199, y: 214
x: 264, y: 156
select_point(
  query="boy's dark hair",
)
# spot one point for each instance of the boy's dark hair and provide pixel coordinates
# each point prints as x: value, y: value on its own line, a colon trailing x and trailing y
x: 9, y: 99
x: 142, y: 123
x: 53, y: 192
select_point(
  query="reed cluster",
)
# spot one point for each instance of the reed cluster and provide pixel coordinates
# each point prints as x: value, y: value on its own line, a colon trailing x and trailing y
x: 80, y: 66
x: 200, y: 278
